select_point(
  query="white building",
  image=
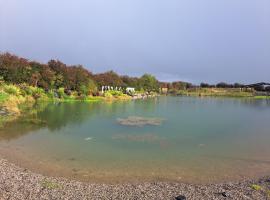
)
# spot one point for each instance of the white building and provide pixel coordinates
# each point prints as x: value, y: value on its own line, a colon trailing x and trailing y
x: 130, y: 90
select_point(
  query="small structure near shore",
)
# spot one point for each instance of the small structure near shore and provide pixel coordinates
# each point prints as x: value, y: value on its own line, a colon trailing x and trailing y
x: 164, y: 90
x: 130, y: 90
x: 109, y: 88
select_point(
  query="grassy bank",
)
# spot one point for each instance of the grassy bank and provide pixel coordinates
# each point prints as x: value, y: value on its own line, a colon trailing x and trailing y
x: 14, y: 98
x: 217, y: 92
x: 262, y: 97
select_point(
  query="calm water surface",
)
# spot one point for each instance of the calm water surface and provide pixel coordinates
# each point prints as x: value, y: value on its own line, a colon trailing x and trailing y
x: 177, y: 138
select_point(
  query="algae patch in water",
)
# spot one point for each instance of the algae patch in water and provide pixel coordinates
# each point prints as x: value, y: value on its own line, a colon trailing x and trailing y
x: 139, y: 121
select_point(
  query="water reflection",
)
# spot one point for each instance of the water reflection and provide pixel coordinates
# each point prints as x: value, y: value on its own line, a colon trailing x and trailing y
x: 55, y: 116
x: 52, y: 116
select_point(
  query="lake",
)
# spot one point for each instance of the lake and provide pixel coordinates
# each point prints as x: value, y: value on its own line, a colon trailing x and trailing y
x: 197, y: 140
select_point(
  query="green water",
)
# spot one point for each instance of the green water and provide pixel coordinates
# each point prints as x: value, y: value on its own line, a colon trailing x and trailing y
x: 183, y: 139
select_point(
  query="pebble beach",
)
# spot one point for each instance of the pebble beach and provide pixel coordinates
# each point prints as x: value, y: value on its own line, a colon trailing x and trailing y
x: 18, y: 183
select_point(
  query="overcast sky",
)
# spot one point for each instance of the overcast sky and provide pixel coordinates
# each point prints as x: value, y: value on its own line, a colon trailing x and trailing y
x: 192, y: 40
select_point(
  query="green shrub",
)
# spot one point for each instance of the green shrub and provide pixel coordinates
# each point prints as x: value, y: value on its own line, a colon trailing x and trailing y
x: 12, y: 89
x: 114, y: 93
x: 108, y: 94
x: 28, y: 90
x: 61, y: 93
x: 74, y: 94
x: 50, y: 94
x: 84, y: 90
x: 38, y: 92
x: 3, y: 96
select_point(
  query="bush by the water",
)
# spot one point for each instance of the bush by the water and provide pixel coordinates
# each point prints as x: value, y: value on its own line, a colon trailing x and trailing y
x: 116, y: 94
x: 11, y: 89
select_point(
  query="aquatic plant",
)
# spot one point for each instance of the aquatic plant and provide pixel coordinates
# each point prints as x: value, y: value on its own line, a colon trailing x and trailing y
x: 139, y: 121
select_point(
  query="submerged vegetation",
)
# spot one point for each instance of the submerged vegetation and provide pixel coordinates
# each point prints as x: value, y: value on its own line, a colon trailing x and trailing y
x: 139, y: 121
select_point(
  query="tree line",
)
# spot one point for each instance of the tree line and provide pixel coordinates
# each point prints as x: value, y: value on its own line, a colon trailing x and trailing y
x: 56, y: 74
x: 235, y: 85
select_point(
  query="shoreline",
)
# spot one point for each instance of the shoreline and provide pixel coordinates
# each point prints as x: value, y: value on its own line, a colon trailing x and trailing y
x: 21, y: 183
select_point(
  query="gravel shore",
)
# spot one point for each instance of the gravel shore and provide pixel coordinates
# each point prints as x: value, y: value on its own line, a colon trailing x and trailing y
x: 18, y: 183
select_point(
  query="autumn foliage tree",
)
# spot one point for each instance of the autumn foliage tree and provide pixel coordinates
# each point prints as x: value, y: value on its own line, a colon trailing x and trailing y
x: 53, y: 75
x: 109, y: 78
x: 57, y: 75
x: 14, y: 69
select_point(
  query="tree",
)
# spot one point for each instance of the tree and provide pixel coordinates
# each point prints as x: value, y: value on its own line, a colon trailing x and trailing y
x: 88, y: 89
x: 204, y: 85
x: 259, y: 88
x: 41, y: 76
x: 14, y: 69
x: 131, y: 82
x: 71, y: 77
x: 224, y: 85
x: 180, y: 85
x: 109, y: 78
x: 238, y: 85
x: 149, y: 83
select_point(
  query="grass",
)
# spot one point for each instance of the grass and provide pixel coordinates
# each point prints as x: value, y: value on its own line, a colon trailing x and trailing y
x: 262, y: 97
x: 216, y: 92
x: 3, y: 97
x: 93, y: 99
